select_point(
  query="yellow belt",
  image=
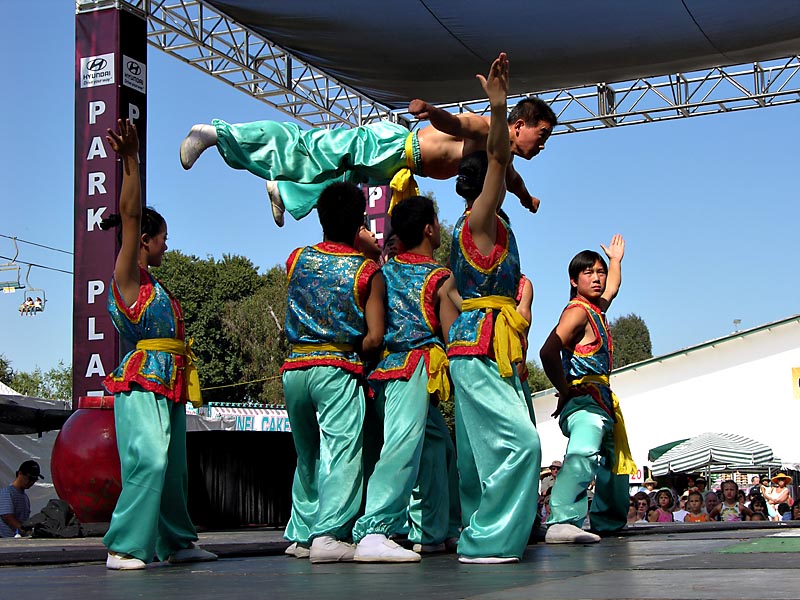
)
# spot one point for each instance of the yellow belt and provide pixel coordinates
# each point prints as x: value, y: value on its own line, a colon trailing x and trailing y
x: 184, y: 348
x: 438, y: 363
x: 438, y: 379
x: 330, y: 347
x: 403, y: 184
x: 623, y: 459
x: 508, y: 327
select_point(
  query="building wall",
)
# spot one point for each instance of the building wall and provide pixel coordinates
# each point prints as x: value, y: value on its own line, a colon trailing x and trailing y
x: 741, y: 384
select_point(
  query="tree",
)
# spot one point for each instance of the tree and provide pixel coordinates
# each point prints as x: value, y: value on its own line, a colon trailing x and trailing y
x: 631, y: 339
x: 204, y: 288
x: 6, y: 372
x: 442, y: 253
x: 256, y: 326
x: 537, y: 380
x: 54, y: 384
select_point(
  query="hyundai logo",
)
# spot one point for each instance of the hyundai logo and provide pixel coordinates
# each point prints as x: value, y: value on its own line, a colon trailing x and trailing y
x: 134, y: 68
x: 97, y: 64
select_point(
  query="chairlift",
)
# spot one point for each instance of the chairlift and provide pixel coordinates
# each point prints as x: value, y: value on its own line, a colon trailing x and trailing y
x: 10, y: 273
x: 35, y: 298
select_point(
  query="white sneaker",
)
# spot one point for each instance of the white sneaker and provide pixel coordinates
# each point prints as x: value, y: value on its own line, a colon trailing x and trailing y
x: 564, y: 533
x: 326, y: 549
x: 487, y: 560
x: 276, y: 201
x: 428, y: 548
x: 298, y: 550
x: 193, y: 553
x: 200, y: 138
x: 121, y: 562
x: 376, y: 547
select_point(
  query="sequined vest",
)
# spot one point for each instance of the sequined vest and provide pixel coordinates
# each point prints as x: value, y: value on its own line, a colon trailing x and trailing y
x: 412, y: 281
x: 497, y: 274
x: 328, y: 285
x: 594, y: 358
x: 155, y: 314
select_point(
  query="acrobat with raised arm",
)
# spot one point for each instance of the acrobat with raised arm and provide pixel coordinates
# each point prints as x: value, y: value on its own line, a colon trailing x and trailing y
x: 577, y: 359
x: 298, y: 164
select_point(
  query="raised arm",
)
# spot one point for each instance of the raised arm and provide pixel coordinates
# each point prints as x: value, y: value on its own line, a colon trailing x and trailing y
x: 615, y: 251
x: 463, y: 126
x: 126, y: 269
x: 569, y: 331
x: 483, y: 219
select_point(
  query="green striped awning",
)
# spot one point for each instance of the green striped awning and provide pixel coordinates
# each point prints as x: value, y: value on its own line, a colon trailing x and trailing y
x: 713, y: 451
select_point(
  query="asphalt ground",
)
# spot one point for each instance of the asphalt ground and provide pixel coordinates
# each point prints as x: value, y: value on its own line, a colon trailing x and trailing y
x: 694, y: 561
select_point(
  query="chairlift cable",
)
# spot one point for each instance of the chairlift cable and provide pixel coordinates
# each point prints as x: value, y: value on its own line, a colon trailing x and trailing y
x: 22, y: 262
x: 35, y: 244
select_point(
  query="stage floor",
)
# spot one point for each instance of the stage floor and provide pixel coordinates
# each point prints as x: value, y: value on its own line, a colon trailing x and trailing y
x: 666, y: 563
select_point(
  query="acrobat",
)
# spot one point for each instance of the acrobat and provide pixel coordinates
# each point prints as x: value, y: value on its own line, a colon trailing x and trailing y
x: 297, y: 164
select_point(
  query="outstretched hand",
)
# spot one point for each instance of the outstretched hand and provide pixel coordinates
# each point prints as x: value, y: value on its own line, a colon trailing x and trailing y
x: 126, y: 142
x: 616, y: 248
x: 496, y: 84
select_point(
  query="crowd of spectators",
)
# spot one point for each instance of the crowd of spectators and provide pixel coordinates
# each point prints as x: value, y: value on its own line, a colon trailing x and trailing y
x: 767, y: 499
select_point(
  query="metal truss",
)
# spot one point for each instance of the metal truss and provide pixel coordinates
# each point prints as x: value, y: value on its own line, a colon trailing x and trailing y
x: 647, y: 100
x: 209, y: 40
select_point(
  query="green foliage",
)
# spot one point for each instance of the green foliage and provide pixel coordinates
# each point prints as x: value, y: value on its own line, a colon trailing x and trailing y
x: 204, y: 289
x: 631, y: 339
x: 256, y: 326
x: 442, y: 253
x: 54, y: 384
x: 6, y: 372
x: 537, y: 380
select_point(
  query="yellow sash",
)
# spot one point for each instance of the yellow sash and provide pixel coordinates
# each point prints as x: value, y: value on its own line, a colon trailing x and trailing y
x: 403, y: 184
x: 184, y: 348
x: 623, y: 459
x: 508, y: 327
x: 438, y: 380
x: 307, y: 348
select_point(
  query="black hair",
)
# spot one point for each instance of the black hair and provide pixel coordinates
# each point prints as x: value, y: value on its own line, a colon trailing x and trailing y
x: 471, y: 173
x: 580, y: 262
x: 531, y: 111
x: 410, y: 217
x: 152, y: 222
x: 340, y: 209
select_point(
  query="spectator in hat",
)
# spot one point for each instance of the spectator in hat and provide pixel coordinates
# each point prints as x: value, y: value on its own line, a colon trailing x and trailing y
x: 649, y: 486
x: 777, y: 494
x: 700, y: 484
x: 549, y: 480
x: 15, y: 506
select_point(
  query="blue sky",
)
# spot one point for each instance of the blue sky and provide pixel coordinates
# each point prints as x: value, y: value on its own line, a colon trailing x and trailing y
x: 706, y: 205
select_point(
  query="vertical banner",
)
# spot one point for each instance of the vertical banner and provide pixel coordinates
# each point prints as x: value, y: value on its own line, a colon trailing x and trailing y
x: 110, y: 83
x: 377, y: 205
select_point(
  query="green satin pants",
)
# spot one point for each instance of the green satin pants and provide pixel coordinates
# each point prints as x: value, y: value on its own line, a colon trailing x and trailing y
x: 305, y: 161
x: 402, y: 407
x: 499, y: 458
x: 589, y: 456
x: 434, y: 511
x: 150, y: 518
x: 326, y: 411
